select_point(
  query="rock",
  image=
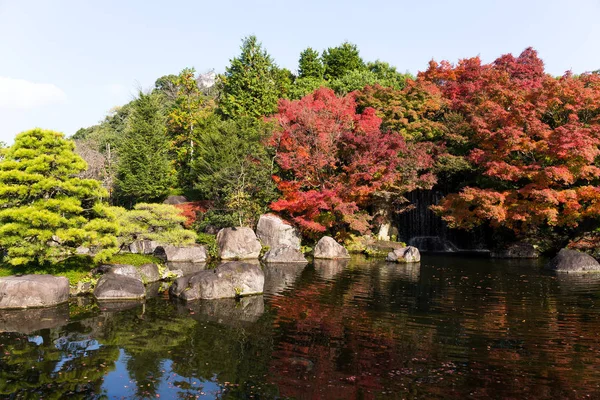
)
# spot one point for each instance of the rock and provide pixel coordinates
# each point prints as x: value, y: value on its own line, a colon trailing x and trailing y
x: 174, y: 200
x: 408, y: 254
x: 81, y: 289
x: 125, y: 270
x: 274, y: 232
x: 82, y: 250
x: 328, y: 248
x: 33, y: 291
x: 186, y: 268
x: 229, y: 280
x: 279, y: 277
x: 238, y: 244
x: 28, y: 321
x: 194, y: 253
x: 119, y: 287
x: 172, y: 274
x: 284, y: 255
x: 149, y: 273
x: 573, y: 261
x: 329, y: 269
x: 143, y: 247
x: 517, y: 250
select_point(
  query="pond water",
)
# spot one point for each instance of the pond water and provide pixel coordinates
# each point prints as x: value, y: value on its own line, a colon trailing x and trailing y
x: 449, y: 328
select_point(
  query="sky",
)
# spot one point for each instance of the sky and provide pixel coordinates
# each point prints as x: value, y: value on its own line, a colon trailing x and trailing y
x: 65, y: 64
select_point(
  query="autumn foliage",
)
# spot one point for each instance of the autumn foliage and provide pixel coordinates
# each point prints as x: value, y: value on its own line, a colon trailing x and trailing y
x: 532, y: 138
x: 333, y: 159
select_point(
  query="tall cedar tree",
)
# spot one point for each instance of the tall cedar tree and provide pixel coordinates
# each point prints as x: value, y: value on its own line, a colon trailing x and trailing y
x: 250, y: 83
x: 340, y: 60
x: 534, y: 141
x: 46, y: 211
x: 334, y: 160
x: 144, y: 171
x: 310, y: 64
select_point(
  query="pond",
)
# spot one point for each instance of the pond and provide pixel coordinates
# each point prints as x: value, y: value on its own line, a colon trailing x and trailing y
x: 449, y: 328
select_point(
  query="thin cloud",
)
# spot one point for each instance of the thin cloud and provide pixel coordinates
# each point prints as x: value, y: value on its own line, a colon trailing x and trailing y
x: 22, y: 94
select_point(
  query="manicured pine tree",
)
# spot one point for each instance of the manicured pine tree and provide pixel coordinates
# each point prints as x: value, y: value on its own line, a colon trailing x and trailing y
x: 46, y: 211
x: 144, y: 170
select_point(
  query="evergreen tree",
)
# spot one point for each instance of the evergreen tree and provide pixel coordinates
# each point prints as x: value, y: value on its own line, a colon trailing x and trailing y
x: 144, y: 171
x: 310, y: 65
x: 249, y: 83
x: 46, y: 211
x: 340, y: 60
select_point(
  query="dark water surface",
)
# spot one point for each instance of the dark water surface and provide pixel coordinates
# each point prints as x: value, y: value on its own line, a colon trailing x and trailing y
x: 449, y: 328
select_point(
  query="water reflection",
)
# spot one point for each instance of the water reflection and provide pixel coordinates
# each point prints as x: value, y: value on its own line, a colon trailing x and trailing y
x: 27, y: 321
x: 281, y: 276
x: 447, y: 328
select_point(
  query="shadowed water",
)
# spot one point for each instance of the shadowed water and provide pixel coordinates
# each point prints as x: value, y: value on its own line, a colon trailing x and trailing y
x: 448, y: 328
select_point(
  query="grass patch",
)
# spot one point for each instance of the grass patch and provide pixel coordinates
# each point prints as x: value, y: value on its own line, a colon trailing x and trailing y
x: 74, y: 268
x: 134, y: 259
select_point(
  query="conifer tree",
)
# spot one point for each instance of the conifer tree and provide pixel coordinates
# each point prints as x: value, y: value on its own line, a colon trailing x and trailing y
x: 144, y: 171
x: 310, y: 65
x: 46, y: 211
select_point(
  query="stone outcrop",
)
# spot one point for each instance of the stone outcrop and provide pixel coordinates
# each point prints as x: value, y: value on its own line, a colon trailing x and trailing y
x: 238, y: 244
x: 328, y: 248
x: 195, y: 253
x: 274, y: 232
x: 573, y: 261
x: 119, y: 287
x: 408, y: 254
x: 229, y: 280
x: 285, y: 254
x: 27, y: 291
x: 143, y: 246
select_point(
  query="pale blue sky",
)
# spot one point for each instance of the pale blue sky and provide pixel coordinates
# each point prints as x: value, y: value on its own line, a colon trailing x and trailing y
x: 64, y: 64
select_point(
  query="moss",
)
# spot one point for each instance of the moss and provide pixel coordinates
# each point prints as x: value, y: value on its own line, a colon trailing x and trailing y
x: 134, y: 259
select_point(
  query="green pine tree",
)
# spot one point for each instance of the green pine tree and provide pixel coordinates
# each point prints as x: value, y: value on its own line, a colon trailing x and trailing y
x: 46, y: 211
x: 310, y: 65
x: 340, y: 60
x: 250, y: 83
x: 144, y: 172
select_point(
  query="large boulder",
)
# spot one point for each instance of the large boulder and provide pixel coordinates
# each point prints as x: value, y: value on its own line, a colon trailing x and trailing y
x: 284, y: 254
x: 149, y: 273
x: 143, y: 246
x: 194, y: 253
x: 174, y: 200
x: 328, y: 248
x: 573, y: 261
x: 274, y: 232
x: 408, y: 254
x: 119, y: 287
x: 229, y: 280
x: 238, y: 244
x: 33, y: 291
x: 186, y: 268
x: 124, y: 270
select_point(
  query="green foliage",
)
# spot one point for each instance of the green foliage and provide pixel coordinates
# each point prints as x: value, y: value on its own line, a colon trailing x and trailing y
x: 159, y: 222
x: 233, y: 168
x: 304, y: 86
x: 249, y: 85
x: 340, y: 60
x: 215, y: 219
x: 144, y: 171
x: 136, y: 260
x: 46, y: 211
x: 310, y: 65
x: 75, y: 268
x: 210, y: 243
x: 353, y: 80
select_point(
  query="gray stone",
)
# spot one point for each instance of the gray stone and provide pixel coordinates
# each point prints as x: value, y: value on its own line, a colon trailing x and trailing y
x: 328, y: 248
x: 517, y: 250
x: 143, y: 247
x: 82, y: 250
x: 279, y: 277
x: 408, y: 254
x: 125, y: 270
x: 238, y: 244
x: 149, y: 273
x: 186, y: 268
x: 284, y: 255
x: 31, y: 320
x: 174, y: 200
x: 274, y: 232
x: 27, y: 291
x: 229, y: 280
x: 119, y: 287
x: 573, y: 261
x: 329, y: 269
x: 194, y: 253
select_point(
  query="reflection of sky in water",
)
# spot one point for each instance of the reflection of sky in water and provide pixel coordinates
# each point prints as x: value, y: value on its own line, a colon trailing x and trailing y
x: 74, y: 349
x: 118, y: 383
